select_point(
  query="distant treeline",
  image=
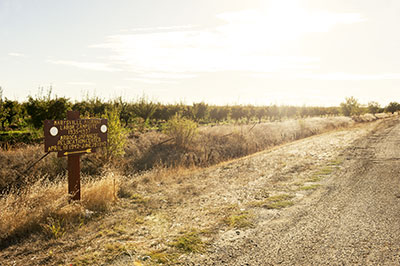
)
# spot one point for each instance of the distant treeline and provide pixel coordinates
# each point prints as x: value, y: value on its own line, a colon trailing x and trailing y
x: 31, y: 113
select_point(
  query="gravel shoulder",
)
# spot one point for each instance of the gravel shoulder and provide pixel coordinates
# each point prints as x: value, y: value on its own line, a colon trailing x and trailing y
x: 352, y: 218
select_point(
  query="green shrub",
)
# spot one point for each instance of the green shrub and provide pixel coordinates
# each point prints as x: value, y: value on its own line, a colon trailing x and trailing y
x: 350, y: 107
x: 116, y: 139
x: 45, y: 107
x: 14, y: 137
x: 392, y: 107
x: 144, y: 108
x: 374, y: 108
x: 200, y: 111
x: 182, y: 130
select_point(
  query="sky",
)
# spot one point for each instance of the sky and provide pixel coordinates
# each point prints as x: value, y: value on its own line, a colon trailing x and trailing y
x: 261, y: 52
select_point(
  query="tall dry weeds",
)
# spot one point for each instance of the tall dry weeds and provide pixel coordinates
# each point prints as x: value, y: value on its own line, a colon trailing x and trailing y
x: 144, y: 151
x: 14, y: 163
x: 35, y: 207
x: 220, y: 143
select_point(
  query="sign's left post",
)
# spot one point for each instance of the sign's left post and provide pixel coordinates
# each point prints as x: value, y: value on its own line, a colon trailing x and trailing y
x: 74, y: 166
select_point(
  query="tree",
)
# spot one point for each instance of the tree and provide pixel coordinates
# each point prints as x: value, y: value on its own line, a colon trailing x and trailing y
x: 10, y: 112
x: 273, y: 112
x: 374, y: 107
x: 219, y: 113
x: 350, y: 107
x: 261, y: 112
x: 91, y: 107
x: 392, y: 107
x: 200, y: 111
x: 125, y: 110
x: 144, y: 108
x: 43, y: 107
x: 237, y: 112
x: 2, y: 111
x: 249, y: 113
x: 224, y: 112
x: 83, y: 107
x: 162, y: 112
x: 291, y: 111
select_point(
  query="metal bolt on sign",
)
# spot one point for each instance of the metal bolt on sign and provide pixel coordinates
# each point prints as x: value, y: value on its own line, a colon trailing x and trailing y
x: 72, y: 138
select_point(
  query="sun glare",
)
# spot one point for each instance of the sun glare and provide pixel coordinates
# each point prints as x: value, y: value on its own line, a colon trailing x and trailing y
x: 252, y: 40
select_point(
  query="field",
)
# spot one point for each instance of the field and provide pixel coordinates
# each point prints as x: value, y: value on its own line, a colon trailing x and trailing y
x: 207, y: 146
x: 150, y: 188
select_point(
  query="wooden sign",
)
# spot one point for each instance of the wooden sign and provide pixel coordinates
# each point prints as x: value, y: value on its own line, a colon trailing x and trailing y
x: 73, y: 137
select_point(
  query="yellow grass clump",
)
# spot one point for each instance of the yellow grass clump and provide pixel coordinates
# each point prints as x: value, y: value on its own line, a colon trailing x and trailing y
x: 45, y: 204
x: 99, y: 194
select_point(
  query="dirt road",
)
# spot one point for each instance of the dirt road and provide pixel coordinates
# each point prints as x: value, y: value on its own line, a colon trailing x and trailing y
x: 353, y: 218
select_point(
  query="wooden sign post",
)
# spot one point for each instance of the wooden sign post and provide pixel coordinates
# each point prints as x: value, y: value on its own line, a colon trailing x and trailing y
x: 74, y: 137
x: 74, y: 166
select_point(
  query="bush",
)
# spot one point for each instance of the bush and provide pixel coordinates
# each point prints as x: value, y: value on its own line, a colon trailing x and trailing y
x: 182, y: 130
x: 12, y: 138
x: 44, y: 107
x: 116, y: 139
x: 350, y: 107
x: 200, y: 111
x: 374, y: 107
x: 144, y: 108
x: 392, y: 107
x: 9, y: 112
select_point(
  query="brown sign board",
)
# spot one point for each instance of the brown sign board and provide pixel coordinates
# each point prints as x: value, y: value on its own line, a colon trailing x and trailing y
x: 74, y: 136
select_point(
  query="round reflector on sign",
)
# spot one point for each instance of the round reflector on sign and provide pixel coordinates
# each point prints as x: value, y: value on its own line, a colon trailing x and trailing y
x: 103, y: 128
x: 53, y: 131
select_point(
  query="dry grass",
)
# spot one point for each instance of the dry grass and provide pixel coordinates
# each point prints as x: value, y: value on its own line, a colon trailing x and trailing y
x: 189, y: 242
x: 213, y: 145
x: 144, y: 151
x: 275, y: 202
x: 240, y: 220
x: 14, y: 163
x: 158, y: 209
x: 97, y: 195
x: 44, y: 206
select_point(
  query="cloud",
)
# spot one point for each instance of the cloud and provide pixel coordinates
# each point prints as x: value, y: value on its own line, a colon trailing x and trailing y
x: 85, y: 65
x: 153, y: 29
x: 196, y: 51
x: 16, y: 54
x: 159, y: 77
x: 167, y: 75
x: 249, y: 40
x: 350, y: 76
x: 280, y: 24
x: 150, y: 81
x: 81, y: 83
x: 335, y: 76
